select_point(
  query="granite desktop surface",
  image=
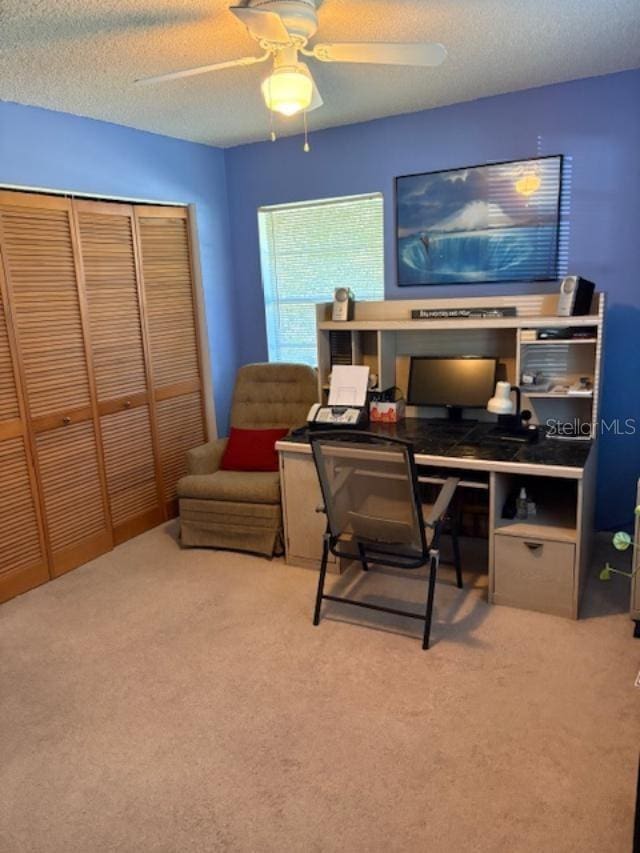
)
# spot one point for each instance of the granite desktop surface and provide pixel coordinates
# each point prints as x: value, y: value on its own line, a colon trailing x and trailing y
x: 473, y: 440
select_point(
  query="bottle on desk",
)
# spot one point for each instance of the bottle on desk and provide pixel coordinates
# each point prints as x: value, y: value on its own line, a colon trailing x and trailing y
x: 522, y: 504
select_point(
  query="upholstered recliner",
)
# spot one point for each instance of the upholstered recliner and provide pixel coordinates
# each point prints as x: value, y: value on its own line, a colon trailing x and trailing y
x: 241, y: 510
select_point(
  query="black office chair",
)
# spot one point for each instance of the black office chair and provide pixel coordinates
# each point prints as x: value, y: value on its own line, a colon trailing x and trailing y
x: 374, y: 512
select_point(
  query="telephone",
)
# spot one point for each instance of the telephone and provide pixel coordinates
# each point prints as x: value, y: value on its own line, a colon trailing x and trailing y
x: 325, y: 417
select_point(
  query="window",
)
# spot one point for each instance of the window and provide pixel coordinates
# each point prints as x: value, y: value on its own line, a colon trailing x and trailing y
x: 307, y: 250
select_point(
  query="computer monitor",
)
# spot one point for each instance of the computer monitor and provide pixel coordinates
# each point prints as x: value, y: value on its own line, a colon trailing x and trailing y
x: 465, y: 382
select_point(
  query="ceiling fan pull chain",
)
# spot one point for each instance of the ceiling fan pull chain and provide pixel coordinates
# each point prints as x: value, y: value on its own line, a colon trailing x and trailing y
x: 306, y: 147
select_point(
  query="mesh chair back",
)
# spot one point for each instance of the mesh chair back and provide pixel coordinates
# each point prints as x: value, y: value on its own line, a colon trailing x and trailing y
x: 370, y: 491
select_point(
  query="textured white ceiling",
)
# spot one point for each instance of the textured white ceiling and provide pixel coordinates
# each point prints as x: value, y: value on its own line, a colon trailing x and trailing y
x: 82, y: 56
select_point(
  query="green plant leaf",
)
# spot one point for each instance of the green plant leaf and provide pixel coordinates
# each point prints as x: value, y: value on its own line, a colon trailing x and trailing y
x: 637, y: 510
x: 605, y: 574
x: 621, y: 541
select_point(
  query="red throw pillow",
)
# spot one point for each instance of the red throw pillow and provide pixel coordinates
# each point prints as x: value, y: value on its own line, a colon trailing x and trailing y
x: 252, y: 450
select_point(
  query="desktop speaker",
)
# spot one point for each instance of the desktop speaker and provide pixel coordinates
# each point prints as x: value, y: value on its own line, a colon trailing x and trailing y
x: 342, y: 304
x: 575, y: 297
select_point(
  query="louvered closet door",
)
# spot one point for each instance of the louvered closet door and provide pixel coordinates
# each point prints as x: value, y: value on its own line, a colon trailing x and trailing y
x: 40, y: 262
x: 23, y: 562
x: 173, y: 339
x: 110, y: 279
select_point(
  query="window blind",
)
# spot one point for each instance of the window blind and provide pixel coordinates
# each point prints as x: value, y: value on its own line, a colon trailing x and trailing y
x: 307, y: 250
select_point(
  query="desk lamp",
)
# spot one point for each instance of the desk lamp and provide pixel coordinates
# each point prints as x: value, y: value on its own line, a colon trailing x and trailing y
x: 502, y: 405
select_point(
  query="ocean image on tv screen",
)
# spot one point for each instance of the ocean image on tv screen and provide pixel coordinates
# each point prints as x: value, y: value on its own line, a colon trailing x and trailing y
x: 487, y: 223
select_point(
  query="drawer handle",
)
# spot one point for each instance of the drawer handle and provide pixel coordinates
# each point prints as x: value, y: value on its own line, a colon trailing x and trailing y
x: 66, y: 420
x: 127, y: 404
x: 533, y: 546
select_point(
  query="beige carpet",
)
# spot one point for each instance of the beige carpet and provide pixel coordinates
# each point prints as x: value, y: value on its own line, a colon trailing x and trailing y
x: 167, y: 700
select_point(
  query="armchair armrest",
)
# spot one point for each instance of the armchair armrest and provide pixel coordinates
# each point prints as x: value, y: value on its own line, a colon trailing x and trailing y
x: 206, y: 458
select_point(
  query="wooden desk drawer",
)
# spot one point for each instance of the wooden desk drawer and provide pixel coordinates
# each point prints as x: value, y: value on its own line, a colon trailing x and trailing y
x: 534, y: 573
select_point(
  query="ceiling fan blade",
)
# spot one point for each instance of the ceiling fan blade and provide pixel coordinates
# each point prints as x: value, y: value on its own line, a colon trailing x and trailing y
x: 203, y: 69
x: 382, y: 54
x: 262, y: 24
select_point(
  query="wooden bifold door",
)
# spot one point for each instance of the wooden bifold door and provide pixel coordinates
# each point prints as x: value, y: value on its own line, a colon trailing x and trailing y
x: 173, y: 341
x: 110, y: 276
x: 100, y: 378
x: 23, y: 560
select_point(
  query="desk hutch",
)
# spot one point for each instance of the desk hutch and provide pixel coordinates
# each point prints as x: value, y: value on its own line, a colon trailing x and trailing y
x: 538, y: 563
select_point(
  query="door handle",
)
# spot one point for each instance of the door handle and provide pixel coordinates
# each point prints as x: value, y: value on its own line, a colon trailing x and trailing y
x: 533, y: 546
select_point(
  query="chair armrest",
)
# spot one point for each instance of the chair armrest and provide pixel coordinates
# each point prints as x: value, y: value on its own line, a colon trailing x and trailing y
x: 442, y: 502
x: 206, y: 458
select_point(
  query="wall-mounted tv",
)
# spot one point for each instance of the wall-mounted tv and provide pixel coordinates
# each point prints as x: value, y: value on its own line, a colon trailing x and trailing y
x: 493, y: 223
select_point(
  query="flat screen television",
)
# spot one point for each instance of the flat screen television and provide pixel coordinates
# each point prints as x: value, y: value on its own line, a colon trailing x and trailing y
x: 465, y: 382
x: 493, y: 223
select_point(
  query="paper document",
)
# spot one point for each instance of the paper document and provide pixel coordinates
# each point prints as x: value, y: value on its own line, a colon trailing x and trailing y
x: 348, y: 385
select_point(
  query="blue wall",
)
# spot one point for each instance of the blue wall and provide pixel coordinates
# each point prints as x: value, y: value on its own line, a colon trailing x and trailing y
x: 596, y: 122
x: 41, y: 148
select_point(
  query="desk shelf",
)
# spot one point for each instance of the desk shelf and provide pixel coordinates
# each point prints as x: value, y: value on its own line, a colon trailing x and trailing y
x: 559, y: 342
x: 458, y: 324
x: 543, y: 526
x: 559, y: 395
x: 562, y: 362
x: 468, y: 479
x: 462, y: 484
x: 556, y: 508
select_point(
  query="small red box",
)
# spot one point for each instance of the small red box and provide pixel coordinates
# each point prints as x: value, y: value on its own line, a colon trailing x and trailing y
x: 386, y: 413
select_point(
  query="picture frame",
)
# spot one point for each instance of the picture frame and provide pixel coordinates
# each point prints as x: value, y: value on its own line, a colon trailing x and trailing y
x: 492, y: 223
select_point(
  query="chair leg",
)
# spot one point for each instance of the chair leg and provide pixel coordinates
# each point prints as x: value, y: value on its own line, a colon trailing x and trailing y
x: 363, y: 559
x: 433, y: 570
x: 455, y: 541
x: 323, y: 572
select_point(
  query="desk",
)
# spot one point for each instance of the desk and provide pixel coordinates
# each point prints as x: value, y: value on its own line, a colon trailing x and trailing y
x: 537, y: 564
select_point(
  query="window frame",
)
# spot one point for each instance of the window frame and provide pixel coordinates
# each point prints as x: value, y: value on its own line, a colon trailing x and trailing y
x: 269, y: 261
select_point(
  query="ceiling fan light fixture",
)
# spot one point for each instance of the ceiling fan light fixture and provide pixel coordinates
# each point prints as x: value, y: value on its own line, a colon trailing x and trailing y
x: 283, y: 29
x: 288, y: 90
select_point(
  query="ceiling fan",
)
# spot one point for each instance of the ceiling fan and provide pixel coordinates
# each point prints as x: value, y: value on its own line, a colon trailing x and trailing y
x: 283, y: 29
